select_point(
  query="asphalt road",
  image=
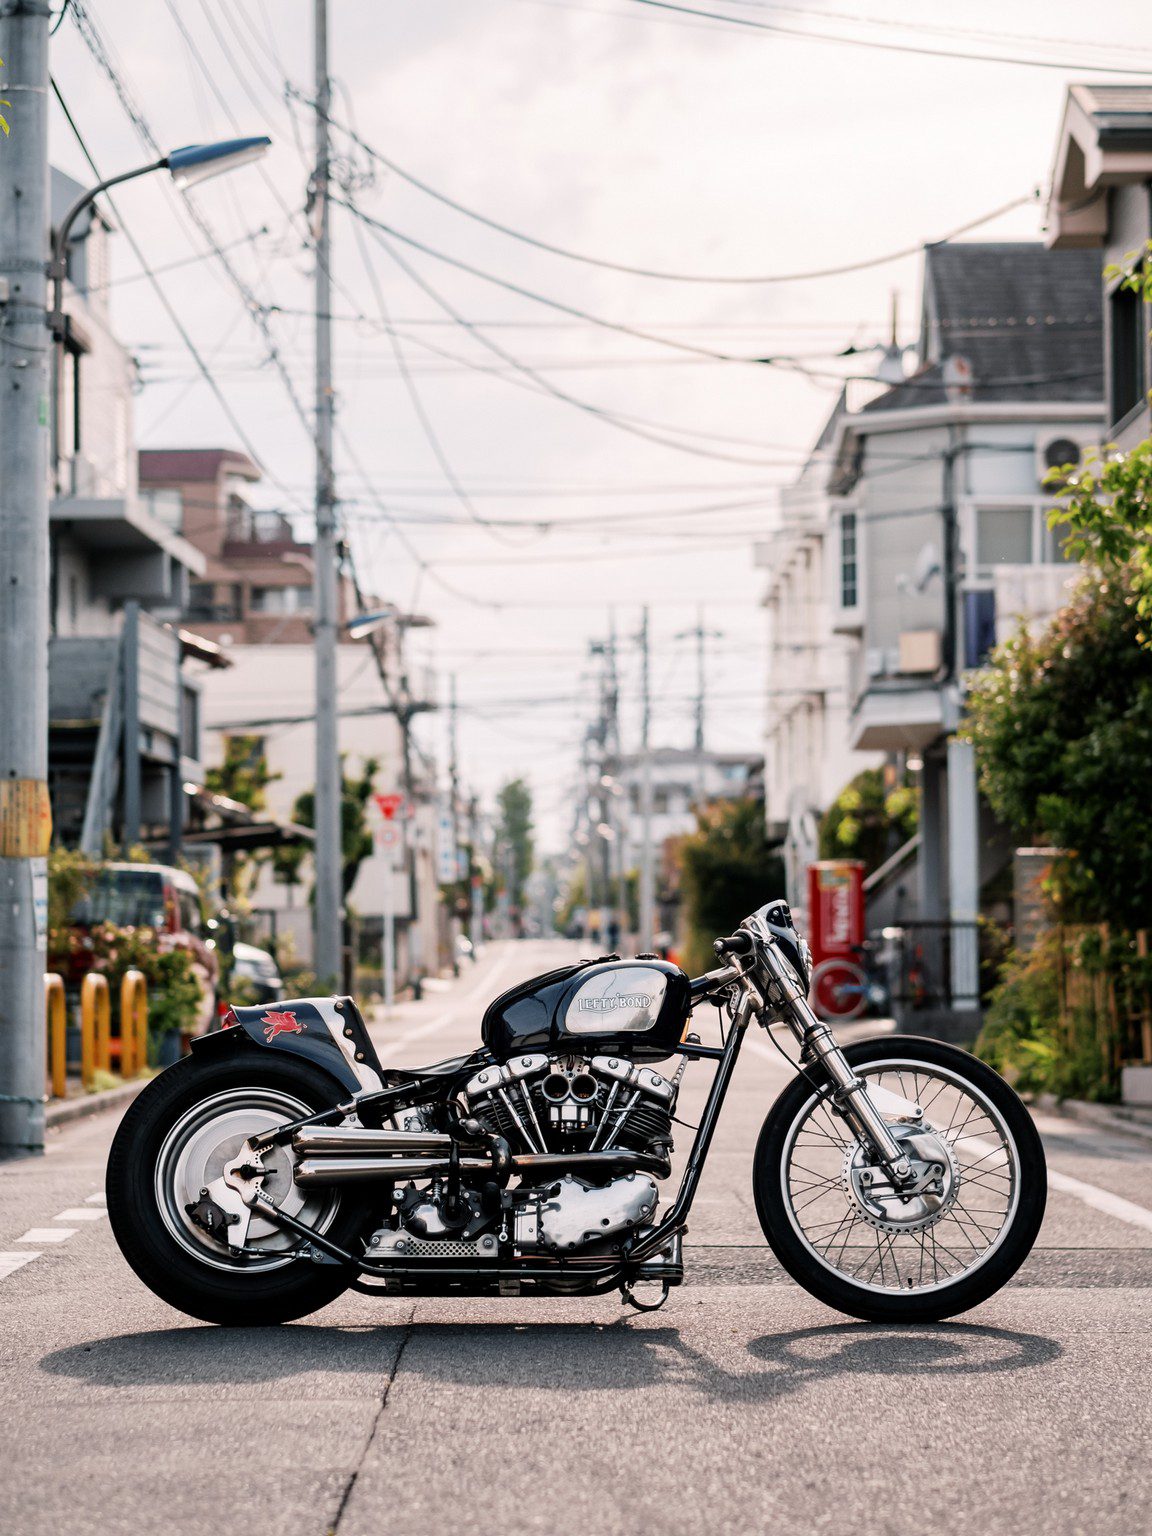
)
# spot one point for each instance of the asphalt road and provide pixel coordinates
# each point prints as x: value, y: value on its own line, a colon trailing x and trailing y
x: 743, y: 1406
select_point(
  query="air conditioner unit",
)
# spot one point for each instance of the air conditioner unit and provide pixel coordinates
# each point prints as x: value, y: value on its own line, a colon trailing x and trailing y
x: 1056, y: 450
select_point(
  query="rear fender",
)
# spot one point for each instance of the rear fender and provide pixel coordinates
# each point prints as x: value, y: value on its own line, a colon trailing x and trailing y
x: 327, y: 1031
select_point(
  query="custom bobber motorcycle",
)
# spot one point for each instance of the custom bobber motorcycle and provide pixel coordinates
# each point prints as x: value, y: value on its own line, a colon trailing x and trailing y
x: 898, y: 1179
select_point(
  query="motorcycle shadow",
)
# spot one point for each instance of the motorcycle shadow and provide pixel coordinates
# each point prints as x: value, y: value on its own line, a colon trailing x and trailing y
x: 628, y: 1354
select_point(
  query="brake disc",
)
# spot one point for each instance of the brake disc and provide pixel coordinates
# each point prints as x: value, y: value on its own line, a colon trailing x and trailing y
x: 920, y: 1203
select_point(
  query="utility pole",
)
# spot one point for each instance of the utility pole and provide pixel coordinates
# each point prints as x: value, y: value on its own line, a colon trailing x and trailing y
x: 701, y: 635
x: 647, y: 892
x: 454, y: 802
x: 25, y: 816
x: 476, y: 881
x: 327, y: 924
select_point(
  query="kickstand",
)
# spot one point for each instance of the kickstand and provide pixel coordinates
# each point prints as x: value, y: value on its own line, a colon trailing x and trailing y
x: 628, y: 1297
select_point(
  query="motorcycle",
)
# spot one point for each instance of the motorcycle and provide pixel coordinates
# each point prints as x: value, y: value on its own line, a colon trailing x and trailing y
x: 897, y: 1179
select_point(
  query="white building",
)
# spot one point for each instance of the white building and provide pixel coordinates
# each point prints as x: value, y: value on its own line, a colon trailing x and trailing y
x: 268, y: 697
x: 810, y: 557
x: 939, y: 502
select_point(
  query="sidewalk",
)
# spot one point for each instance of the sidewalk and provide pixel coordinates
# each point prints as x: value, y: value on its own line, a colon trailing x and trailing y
x: 1126, y: 1119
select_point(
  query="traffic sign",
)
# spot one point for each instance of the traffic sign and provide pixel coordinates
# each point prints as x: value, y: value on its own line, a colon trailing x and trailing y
x: 391, y: 807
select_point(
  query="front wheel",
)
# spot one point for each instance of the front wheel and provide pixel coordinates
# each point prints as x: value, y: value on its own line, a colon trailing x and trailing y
x: 926, y: 1251
x: 174, y: 1141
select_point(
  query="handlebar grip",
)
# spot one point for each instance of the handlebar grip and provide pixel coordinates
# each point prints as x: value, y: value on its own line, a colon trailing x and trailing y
x: 736, y: 944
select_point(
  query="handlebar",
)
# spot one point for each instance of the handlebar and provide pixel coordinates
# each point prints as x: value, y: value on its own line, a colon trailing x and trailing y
x: 741, y: 943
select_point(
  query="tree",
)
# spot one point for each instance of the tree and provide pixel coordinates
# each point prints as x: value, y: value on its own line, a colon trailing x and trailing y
x: 727, y: 870
x: 514, y: 831
x: 867, y: 821
x: 243, y: 776
x: 355, y: 835
x: 1062, y: 725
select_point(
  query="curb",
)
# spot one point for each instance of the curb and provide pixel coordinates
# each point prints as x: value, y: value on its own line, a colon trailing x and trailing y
x: 65, y: 1111
x: 1107, y: 1117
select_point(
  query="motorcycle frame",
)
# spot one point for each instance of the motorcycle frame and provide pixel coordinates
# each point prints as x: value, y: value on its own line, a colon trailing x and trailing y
x: 785, y: 999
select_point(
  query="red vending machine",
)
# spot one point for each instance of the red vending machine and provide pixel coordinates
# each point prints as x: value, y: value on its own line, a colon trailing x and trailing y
x: 836, y: 931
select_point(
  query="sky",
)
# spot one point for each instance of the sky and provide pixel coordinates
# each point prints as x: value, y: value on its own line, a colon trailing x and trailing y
x: 524, y: 524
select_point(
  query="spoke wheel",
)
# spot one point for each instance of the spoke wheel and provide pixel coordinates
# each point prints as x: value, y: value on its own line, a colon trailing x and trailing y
x: 173, y: 1143
x: 930, y: 1250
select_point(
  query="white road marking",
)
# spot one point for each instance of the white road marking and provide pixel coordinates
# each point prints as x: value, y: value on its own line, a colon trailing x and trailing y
x: 1101, y: 1200
x: 80, y: 1213
x: 47, y: 1235
x: 11, y: 1262
x: 96, y: 1200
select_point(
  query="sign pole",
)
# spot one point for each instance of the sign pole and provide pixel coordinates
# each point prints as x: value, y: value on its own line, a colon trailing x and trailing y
x: 389, y: 934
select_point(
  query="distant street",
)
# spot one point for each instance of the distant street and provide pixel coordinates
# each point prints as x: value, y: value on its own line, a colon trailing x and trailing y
x: 743, y: 1406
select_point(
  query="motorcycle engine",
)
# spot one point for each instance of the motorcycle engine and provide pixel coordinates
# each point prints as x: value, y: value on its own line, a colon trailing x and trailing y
x: 543, y: 1103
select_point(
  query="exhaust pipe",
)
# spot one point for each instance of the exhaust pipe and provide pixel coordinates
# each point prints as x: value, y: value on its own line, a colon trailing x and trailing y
x: 353, y: 1139
x: 332, y: 1169
x: 354, y: 1170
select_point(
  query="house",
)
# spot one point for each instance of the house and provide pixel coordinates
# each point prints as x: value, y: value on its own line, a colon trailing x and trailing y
x: 810, y: 557
x: 256, y: 583
x: 123, y: 679
x: 254, y: 595
x: 1101, y: 203
x: 938, y: 510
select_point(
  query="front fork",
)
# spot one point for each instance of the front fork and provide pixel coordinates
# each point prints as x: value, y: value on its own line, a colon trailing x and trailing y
x: 817, y: 1043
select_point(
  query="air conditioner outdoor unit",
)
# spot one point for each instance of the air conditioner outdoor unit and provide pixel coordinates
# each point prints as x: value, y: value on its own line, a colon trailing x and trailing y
x: 1056, y: 450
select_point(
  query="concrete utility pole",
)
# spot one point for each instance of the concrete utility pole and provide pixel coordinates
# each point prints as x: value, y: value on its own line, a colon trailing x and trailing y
x: 647, y: 891
x: 327, y: 925
x: 701, y: 635
x: 25, y: 817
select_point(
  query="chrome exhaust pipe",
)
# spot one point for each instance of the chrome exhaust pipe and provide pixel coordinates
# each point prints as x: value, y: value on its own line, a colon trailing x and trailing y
x: 354, y: 1170
x: 351, y: 1139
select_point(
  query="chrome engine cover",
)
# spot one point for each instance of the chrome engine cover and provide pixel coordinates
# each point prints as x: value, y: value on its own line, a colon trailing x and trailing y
x: 570, y: 1213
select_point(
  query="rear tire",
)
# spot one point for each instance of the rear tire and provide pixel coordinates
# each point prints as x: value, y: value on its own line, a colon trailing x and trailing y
x: 211, y: 1286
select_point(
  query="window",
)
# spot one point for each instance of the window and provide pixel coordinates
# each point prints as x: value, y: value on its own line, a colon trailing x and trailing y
x: 1004, y: 536
x: 166, y: 506
x: 849, y: 576
x: 1127, y: 325
x: 189, y: 722
x: 281, y: 599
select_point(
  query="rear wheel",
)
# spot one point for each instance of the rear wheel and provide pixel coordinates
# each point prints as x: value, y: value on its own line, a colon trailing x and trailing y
x: 919, y: 1253
x: 174, y: 1142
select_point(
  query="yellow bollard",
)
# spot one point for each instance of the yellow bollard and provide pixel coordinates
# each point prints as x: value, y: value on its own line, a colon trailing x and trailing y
x: 57, y: 1019
x: 95, y: 1027
x: 133, y: 1023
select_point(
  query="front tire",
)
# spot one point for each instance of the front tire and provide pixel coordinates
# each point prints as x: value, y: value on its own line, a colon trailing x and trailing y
x: 860, y: 1247
x: 176, y: 1134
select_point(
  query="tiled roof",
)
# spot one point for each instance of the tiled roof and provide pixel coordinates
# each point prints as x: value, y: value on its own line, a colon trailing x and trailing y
x: 1028, y: 320
x: 160, y: 466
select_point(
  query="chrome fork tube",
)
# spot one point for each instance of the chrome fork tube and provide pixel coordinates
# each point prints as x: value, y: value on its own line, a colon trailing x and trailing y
x: 817, y: 1040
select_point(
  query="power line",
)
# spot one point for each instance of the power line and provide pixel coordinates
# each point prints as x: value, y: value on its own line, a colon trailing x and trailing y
x: 919, y: 50
x: 650, y: 272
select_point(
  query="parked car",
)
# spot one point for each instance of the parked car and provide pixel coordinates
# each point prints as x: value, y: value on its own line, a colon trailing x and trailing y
x: 155, y: 896
x: 259, y: 969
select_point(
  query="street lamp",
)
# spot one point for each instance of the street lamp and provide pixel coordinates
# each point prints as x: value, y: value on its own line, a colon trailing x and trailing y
x: 187, y: 167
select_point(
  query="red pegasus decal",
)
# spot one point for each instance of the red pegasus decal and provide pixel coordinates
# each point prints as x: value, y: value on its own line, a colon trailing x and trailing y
x: 280, y: 1024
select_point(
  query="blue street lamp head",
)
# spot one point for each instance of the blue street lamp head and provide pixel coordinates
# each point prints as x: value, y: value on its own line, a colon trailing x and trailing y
x: 196, y: 162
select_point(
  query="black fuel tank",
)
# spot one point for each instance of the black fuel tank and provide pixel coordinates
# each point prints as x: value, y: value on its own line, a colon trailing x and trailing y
x: 635, y: 1008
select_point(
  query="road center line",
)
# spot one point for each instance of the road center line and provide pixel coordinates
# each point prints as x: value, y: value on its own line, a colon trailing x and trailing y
x: 81, y: 1213
x: 47, y: 1235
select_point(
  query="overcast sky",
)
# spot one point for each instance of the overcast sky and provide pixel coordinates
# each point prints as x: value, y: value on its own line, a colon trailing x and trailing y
x: 606, y: 127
